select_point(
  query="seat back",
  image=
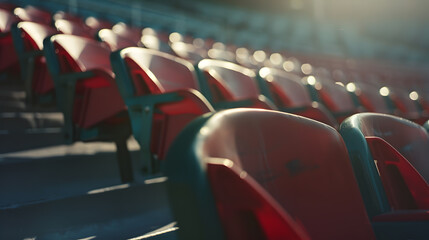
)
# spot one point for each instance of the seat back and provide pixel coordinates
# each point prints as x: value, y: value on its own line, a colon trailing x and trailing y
x: 82, y: 67
x: 334, y: 96
x: 370, y: 98
x: 152, y: 72
x: 301, y: 163
x: 188, y: 51
x: 229, y: 81
x: 79, y: 54
x: 286, y: 89
x: 407, y: 138
x: 97, y: 24
x: 6, y: 21
x: 68, y: 16
x: 403, y: 103
x: 74, y: 28
x: 132, y: 33
x: 156, y: 39
x: 114, y: 40
x: 410, y: 139
x: 33, y: 14
x: 33, y: 34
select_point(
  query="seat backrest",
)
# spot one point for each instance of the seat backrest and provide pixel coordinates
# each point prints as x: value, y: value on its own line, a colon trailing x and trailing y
x: 370, y: 97
x: 407, y: 138
x: 301, y: 163
x: 67, y: 16
x: 286, y: 89
x: 335, y: 97
x: 410, y: 139
x: 97, y: 24
x: 229, y: 81
x: 78, y: 54
x: 114, y: 40
x: 403, y: 102
x: 151, y: 72
x: 188, y: 51
x: 6, y: 20
x: 34, y: 34
x: 74, y: 28
x: 33, y: 14
x: 156, y: 39
x: 132, y: 33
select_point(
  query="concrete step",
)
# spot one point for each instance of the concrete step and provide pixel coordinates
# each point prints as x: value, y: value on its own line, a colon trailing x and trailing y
x: 118, y: 212
x: 60, y: 171
x: 18, y: 121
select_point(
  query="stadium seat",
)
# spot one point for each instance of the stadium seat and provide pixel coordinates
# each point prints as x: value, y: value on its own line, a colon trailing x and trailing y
x: 8, y: 57
x: 67, y: 16
x: 97, y: 24
x: 161, y: 92
x: 290, y: 95
x: 389, y: 157
x: 158, y: 40
x: 28, y: 41
x: 188, y: 51
x: 87, y: 94
x: 33, y: 14
x: 334, y: 96
x: 228, y: 85
x: 406, y: 107
x: 369, y: 97
x: 74, y: 28
x: 113, y: 40
x: 223, y: 165
x: 134, y: 34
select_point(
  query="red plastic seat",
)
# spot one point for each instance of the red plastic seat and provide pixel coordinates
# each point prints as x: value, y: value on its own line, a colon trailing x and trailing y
x: 409, y: 139
x: 334, y: 96
x: 161, y: 92
x: 228, y: 85
x: 97, y: 24
x: 113, y: 40
x: 74, y: 28
x: 28, y: 41
x: 132, y: 33
x: 157, y: 40
x: 406, y: 107
x: 188, y: 51
x: 300, y: 164
x: 87, y: 94
x: 33, y: 14
x: 290, y: 95
x: 369, y: 97
x: 8, y: 57
x: 68, y: 16
x: 389, y: 156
